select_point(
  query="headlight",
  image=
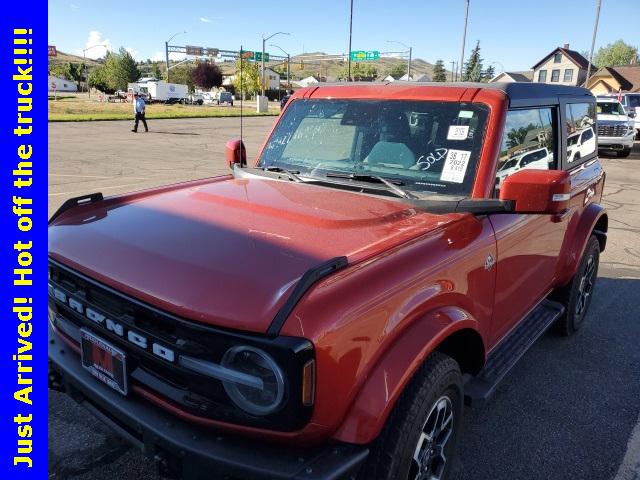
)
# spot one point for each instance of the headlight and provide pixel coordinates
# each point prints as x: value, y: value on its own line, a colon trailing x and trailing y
x: 256, y: 363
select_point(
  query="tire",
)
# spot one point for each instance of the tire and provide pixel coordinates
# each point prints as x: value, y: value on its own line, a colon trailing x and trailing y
x: 624, y: 153
x: 433, y: 396
x: 576, y: 295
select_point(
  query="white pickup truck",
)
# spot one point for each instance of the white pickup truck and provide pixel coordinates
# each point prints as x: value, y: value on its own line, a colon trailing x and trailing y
x: 616, y: 129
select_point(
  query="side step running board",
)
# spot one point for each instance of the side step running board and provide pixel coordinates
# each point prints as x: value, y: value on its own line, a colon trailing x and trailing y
x: 479, y: 388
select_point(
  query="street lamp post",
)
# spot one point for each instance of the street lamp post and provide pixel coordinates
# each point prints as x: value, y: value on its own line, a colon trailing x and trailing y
x: 86, y: 77
x: 464, y: 37
x: 410, y: 52
x: 166, y: 50
x: 593, y: 42
x: 262, y: 62
x: 288, y: 64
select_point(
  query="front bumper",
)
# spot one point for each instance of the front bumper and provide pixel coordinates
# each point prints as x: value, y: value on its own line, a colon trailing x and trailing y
x: 182, y: 450
x: 616, y: 143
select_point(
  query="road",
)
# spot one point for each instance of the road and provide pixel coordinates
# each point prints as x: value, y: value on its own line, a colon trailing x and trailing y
x: 567, y: 411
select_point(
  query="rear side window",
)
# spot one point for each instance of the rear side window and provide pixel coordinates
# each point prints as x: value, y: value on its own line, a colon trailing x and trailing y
x: 580, y: 123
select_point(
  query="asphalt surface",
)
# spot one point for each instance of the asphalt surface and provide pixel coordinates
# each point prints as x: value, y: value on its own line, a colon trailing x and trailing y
x: 569, y: 410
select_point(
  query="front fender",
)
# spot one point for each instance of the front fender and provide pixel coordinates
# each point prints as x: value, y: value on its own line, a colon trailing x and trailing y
x: 593, y: 215
x: 395, y: 368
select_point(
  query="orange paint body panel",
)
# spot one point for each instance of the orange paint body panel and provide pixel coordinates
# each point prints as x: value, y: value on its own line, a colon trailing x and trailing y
x: 228, y: 253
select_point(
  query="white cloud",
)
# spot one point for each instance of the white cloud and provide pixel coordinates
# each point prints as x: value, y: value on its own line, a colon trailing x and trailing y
x: 205, y: 19
x: 158, y: 57
x: 98, y: 45
x: 74, y: 7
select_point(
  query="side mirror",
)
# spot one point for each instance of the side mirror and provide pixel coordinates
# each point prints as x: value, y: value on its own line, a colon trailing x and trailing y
x: 236, y: 153
x: 537, y: 191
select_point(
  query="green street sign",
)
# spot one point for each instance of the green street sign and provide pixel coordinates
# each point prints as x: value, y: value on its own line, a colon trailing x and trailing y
x: 258, y: 56
x: 364, y: 55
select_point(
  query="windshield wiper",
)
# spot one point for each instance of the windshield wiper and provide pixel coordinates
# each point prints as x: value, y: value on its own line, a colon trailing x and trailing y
x: 291, y: 174
x: 365, y: 177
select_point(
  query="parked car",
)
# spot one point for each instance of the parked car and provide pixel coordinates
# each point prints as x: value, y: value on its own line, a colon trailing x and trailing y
x: 326, y: 310
x: 616, y: 130
x: 224, y: 97
x: 196, y: 99
x: 285, y: 99
x: 580, y: 143
x: 631, y: 104
x: 539, y: 158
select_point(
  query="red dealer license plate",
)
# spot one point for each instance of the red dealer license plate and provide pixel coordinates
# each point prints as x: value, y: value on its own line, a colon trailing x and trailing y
x: 105, y: 362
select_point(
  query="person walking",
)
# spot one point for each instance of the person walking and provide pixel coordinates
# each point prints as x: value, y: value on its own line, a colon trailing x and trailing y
x: 138, y: 110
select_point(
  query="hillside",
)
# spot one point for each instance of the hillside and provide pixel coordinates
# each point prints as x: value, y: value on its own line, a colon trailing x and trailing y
x: 329, y: 69
x: 70, y: 58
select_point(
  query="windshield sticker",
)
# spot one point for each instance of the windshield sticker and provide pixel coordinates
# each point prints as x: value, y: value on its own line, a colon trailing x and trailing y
x: 455, y: 166
x: 465, y: 114
x: 425, y: 162
x: 458, y: 132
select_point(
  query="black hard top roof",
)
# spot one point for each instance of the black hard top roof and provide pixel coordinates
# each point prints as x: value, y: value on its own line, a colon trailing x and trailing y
x: 520, y: 94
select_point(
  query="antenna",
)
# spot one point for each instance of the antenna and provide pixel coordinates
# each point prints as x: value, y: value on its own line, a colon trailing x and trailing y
x: 241, y: 97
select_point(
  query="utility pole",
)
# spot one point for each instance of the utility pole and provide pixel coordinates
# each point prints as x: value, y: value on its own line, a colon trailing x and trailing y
x: 166, y: 50
x: 464, y: 36
x: 453, y: 63
x: 409, y: 65
x: 86, y: 75
x: 349, y: 52
x: 593, y: 40
x: 288, y: 63
x: 262, y: 62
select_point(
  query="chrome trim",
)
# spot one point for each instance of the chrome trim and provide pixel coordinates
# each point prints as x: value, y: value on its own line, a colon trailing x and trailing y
x: 219, y: 372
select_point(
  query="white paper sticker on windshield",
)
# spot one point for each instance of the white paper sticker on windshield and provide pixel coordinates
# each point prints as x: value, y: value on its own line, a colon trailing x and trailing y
x: 458, y: 132
x: 455, y: 166
x: 465, y: 114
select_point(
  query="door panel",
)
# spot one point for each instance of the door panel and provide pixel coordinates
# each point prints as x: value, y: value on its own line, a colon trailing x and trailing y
x: 527, y: 247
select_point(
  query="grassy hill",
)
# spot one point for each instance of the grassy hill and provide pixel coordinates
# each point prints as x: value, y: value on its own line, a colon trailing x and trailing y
x: 70, y: 58
x: 330, y: 69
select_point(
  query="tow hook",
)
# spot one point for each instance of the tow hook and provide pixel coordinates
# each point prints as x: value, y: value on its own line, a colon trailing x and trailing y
x: 55, y: 380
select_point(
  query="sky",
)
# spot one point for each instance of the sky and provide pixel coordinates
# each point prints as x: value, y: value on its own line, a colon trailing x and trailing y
x: 513, y: 35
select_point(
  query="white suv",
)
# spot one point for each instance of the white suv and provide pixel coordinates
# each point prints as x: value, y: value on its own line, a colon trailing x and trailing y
x: 616, y: 130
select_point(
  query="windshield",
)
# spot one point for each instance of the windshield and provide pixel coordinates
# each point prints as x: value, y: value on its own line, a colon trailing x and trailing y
x: 427, y: 146
x: 610, y: 108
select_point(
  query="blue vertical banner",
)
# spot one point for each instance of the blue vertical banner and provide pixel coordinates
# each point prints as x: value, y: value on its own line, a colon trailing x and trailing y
x: 23, y: 217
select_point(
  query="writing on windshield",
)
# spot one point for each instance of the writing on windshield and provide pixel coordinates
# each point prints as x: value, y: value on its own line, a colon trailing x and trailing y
x: 425, y: 145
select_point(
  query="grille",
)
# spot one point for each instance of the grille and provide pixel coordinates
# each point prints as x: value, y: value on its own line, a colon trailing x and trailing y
x: 201, y: 395
x: 612, y: 130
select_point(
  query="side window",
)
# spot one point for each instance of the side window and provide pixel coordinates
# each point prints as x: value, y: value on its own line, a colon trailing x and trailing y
x: 527, y: 142
x: 580, y: 122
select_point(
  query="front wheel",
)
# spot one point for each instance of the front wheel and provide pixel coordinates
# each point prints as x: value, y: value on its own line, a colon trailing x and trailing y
x: 420, y: 436
x: 576, y: 296
x: 624, y: 153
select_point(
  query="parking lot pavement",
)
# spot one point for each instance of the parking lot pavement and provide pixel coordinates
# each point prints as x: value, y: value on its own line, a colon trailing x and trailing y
x: 86, y: 157
x: 567, y: 411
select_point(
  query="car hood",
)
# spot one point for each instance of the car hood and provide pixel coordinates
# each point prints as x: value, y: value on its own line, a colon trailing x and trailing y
x: 613, y: 118
x: 228, y: 252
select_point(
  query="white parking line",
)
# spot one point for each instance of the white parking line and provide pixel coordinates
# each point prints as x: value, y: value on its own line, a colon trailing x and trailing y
x: 101, y: 188
x: 630, y: 466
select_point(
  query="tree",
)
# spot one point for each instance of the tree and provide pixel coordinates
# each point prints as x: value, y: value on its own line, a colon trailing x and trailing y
x: 439, y: 73
x: 250, y: 77
x: 397, y: 70
x: 489, y: 73
x: 615, y: 54
x: 516, y: 136
x: 206, y: 75
x: 70, y: 71
x: 473, y: 67
x: 121, y: 69
x: 182, y: 74
x: 155, y: 71
x: 98, y: 79
x: 359, y: 72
